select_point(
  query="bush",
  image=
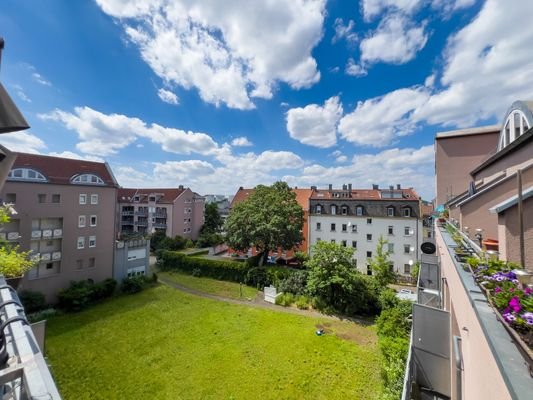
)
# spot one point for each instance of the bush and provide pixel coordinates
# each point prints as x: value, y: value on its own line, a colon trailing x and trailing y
x: 32, y: 301
x: 189, y: 244
x: 388, y: 299
x: 43, y: 314
x: 257, y: 277
x: 221, y: 270
x: 295, y: 283
x: 285, y: 299
x: 135, y: 284
x: 196, y: 272
x: 81, y: 294
x: 302, y: 302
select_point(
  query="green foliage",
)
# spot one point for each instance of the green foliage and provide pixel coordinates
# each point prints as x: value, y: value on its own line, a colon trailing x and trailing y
x: 388, y: 299
x: 382, y: 265
x: 285, y: 299
x: 209, y: 240
x: 212, y: 220
x: 257, y: 277
x: 197, y: 272
x: 302, y: 257
x: 134, y: 284
x: 337, y: 284
x: 79, y: 295
x: 415, y: 271
x: 222, y: 270
x: 14, y: 263
x: 32, y: 301
x: 302, y: 302
x: 174, y: 244
x: 394, y: 322
x: 296, y: 283
x: 473, y: 262
x: 270, y: 218
x: 156, y: 239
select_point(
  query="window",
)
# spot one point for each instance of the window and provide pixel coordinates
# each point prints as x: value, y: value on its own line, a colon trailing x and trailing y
x: 406, y: 212
x: 407, y: 231
x: 318, y: 240
x: 79, y: 264
x: 391, y: 230
x: 93, y: 220
x: 390, y: 211
x: 319, y: 209
x: 151, y: 198
x: 368, y: 254
x: 333, y: 210
x: 354, y: 228
x: 49, y: 265
x: 343, y: 243
x: 92, y: 241
x: 56, y: 198
x: 83, y: 199
x: 354, y: 244
x: 11, y: 198
x: 369, y: 221
x: 332, y: 240
x: 368, y: 270
x: 81, y: 242
x: 359, y: 211
x: 318, y: 226
x: 429, y: 234
x: 26, y: 174
x: 391, y: 247
x: 136, y: 199
x: 407, y: 248
x: 81, y: 221
x: 407, y: 269
x: 91, y: 262
x: 87, y: 179
x: 344, y: 210
x: 94, y: 199
x: 354, y: 262
x: 41, y: 198
x: 369, y: 237
x: 344, y: 227
x: 332, y: 227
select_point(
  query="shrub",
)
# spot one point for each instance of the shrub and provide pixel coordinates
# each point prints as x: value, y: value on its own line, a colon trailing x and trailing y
x: 295, y: 283
x: 43, y: 314
x: 32, y: 301
x: 81, y: 294
x: 104, y: 289
x: 302, y: 302
x: 196, y: 272
x: 285, y: 299
x: 258, y: 277
x: 134, y: 284
x: 154, y: 277
x: 388, y: 299
x: 189, y: 244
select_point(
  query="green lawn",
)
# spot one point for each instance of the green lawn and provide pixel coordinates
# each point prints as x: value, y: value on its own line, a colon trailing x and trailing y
x: 164, y: 344
x: 208, y: 285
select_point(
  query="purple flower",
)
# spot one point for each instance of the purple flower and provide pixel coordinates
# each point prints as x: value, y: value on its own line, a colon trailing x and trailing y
x: 515, y: 281
x: 500, y: 278
x: 511, y: 275
x: 498, y: 289
x: 528, y: 291
x: 529, y: 321
x: 514, y: 303
x: 527, y: 315
x: 509, y: 317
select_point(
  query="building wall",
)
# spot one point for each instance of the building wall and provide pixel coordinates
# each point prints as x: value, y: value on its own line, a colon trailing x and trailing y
x: 197, y: 216
x: 75, y: 264
x: 481, y: 377
x: 378, y: 227
x: 520, y: 158
x: 475, y: 213
x: 510, y: 239
x: 456, y: 157
x: 132, y: 258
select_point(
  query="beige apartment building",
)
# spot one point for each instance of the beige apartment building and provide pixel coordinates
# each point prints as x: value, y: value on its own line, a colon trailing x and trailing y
x: 65, y: 216
x: 177, y: 211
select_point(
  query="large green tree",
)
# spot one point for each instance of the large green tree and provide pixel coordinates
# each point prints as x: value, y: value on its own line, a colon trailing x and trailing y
x: 212, y: 220
x: 381, y: 264
x: 270, y: 218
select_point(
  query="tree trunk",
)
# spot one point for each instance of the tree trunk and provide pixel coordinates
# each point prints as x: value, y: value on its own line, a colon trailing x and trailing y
x: 263, y: 258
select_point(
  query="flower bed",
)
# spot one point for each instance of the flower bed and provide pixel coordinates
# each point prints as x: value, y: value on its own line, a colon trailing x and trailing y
x: 513, y: 301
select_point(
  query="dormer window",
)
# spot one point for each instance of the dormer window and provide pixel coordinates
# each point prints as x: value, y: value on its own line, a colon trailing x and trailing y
x: 518, y: 121
x: 406, y: 212
x: 319, y: 209
x: 344, y: 210
x: 333, y: 210
x: 87, y: 179
x: 359, y: 211
x: 26, y: 174
x: 390, y: 211
x: 136, y: 199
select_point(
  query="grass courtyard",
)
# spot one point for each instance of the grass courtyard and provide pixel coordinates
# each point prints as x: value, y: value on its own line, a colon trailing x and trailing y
x: 165, y: 344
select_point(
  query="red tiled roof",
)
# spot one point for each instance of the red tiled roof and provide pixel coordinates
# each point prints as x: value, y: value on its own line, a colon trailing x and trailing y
x: 60, y: 170
x: 168, y: 195
x: 302, y: 197
x: 364, y: 194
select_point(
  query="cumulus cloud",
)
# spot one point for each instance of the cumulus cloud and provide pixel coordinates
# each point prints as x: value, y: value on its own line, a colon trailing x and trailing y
x: 37, y: 77
x: 354, y: 69
x: 23, y: 142
x: 167, y: 96
x: 75, y: 156
x: 377, y: 122
x: 241, y: 142
x: 229, y: 51
x: 21, y: 94
x: 344, y: 31
x: 315, y: 125
x: 373, y: 8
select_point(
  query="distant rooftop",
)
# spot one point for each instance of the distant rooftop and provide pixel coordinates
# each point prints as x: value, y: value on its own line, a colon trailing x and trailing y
x: 469, y: 131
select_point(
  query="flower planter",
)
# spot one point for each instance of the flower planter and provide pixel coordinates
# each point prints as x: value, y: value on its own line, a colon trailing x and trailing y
x: 490, y: 244
x: 14, y: 282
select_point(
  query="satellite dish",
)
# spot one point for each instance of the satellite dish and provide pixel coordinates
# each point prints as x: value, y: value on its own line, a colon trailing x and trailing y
x: 428, y: 248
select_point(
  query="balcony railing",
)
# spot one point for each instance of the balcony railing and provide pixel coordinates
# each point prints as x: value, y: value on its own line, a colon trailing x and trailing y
x: 159, y: 225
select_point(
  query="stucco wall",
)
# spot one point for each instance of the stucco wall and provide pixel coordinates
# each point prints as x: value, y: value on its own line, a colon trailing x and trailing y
x: 511, y: 241
x: 519, y: 158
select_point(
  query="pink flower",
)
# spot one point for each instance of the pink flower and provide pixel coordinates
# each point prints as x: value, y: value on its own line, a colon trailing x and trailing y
x: 528, y: 291
x: 498, y: 289
x: 514, y: 303
x: 511, y: 289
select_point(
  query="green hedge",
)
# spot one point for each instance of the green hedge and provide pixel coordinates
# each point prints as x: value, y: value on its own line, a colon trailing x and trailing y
x: 221, y: 270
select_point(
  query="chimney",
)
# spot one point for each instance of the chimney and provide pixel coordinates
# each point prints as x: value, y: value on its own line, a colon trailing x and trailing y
x: 313, y: 187
x: 398, y: 186
x: 350, y: 187
x: 344, y: 187
x: 391, y: 187
x: 375, y: 187
x: 330, y: 187
x: 241, y: 188
x: 180, y: 187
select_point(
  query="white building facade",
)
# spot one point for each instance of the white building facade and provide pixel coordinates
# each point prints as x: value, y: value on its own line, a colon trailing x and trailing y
x: 358, y: 218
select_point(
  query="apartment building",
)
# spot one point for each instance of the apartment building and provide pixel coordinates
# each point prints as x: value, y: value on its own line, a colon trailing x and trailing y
x: 65, y: 216
x: 178, y: 211
x: 358, y: 217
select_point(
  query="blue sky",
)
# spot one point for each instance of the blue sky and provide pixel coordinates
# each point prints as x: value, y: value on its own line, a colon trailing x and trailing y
x: 220, y: 94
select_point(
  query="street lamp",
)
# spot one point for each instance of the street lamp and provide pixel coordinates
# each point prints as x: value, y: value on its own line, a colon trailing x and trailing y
x: 11, y: 119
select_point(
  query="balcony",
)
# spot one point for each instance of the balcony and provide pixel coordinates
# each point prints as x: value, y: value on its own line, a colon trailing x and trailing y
x: 47, y: 233
x: 141, y: 223
x: 139, y: 213
x: 127, y: 213
x: 36, y: 235
x: 159, y: 225
x: 160, y: 214
x: 58, y: 233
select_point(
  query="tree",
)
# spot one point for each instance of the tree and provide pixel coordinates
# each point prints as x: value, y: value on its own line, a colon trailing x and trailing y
x: 382, y: 265
x: 212, y: 220
x: 13, y: 262
x: 270, y: 218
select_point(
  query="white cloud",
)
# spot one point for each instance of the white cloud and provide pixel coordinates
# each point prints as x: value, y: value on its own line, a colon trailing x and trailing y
x: 229, y: 51
x: 21, y: 94
x: 284, y: 104
x: 37, y: 77
x: 395, y: 41
x: 344, y: 31
x: 377, y: 122
x: 354, y: 69
x: 315, y: 125
x: 22, y: 142
x: 167, y: 96
x: 373, y: 8
x: 75, y: 156
x: 106, y: 134
x: 192, y: 170
x: 341, y: 159
x: 241, y: 142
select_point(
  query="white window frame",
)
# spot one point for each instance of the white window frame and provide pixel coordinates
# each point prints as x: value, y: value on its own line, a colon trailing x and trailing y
x: 318, y: 226
x: 82, y: 221
x: 83, y: 198
x: 359, y: 211
x: 368, y: 237
x: 390, y: 230
x: 406, y: 249
x: 333, y: 209
x: 94, y: 198
x: 95, y: 220
x: 319, y: 209
x: 406, y: 212
x: 390, y: 211
x: 390, y: 247
x: 92, y: 241
x: 407, y: 231
x: 354, y: 228
x: 81, y: 242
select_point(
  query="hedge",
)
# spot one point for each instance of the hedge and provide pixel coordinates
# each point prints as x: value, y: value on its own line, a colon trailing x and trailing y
x: 221, y: 270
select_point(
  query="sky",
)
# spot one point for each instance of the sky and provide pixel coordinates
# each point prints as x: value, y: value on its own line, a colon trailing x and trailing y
x: 215, y: 95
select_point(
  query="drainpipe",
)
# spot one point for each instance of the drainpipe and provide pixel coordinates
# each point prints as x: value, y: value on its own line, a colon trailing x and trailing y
x: 521, y: 219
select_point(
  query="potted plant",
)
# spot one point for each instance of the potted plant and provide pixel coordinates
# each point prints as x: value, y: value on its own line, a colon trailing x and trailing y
x: 14, y: 264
